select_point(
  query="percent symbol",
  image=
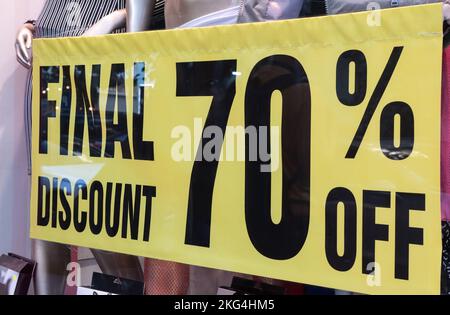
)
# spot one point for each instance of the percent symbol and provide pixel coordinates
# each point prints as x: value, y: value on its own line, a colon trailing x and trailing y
x: 390, y: 111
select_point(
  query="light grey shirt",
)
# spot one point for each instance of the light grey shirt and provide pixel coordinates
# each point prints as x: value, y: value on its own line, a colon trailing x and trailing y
x: 345, y: 6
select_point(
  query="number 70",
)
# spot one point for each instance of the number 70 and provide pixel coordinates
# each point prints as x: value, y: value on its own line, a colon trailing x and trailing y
x: 275, y: 73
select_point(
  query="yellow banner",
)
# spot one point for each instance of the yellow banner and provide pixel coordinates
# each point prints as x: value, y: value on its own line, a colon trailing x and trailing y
x: 303, y: 150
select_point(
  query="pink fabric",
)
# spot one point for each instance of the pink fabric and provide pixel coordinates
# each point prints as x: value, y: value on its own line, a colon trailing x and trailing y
x: 445, y: 134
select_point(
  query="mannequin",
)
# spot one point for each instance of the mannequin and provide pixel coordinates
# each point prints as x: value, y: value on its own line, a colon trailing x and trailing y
x: 60, y: 18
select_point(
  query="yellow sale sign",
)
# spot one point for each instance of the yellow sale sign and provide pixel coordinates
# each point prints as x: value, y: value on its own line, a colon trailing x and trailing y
x: 303, y: 150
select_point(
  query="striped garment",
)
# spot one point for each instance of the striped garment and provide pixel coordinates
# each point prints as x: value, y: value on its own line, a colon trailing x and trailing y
x: 158, y: 21
x: 69, y: 18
